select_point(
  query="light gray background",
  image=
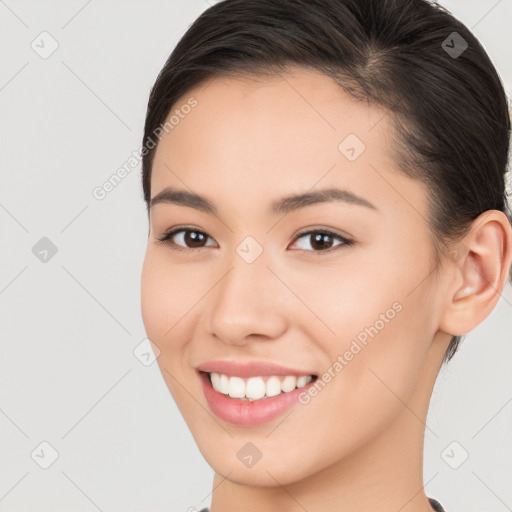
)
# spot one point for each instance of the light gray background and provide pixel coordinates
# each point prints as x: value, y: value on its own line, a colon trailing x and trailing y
x: 70, y: 325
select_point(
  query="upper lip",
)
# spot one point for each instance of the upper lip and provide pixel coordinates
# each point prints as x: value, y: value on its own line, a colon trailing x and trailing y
x: 249, y: 368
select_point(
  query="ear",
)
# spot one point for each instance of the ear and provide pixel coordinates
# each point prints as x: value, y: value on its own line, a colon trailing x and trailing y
x: 481, y: 264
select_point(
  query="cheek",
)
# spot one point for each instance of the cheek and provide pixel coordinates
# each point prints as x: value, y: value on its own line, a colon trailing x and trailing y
x: 382, y: 325
x: 383, y: 295
x: 164, y: 306
x: 152, y: 292
x: 345, y: 300
x: 384, y: 344
x: 163, y: 299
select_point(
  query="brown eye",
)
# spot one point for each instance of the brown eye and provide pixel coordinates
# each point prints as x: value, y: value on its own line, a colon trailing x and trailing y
x: 194, y: 238
x: 183, y: 239
x: 321, y: 241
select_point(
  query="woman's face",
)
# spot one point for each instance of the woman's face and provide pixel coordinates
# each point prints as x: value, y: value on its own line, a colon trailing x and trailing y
x: 250, y: 284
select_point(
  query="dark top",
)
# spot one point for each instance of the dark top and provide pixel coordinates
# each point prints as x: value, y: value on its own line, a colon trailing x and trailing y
x: 435, y: 506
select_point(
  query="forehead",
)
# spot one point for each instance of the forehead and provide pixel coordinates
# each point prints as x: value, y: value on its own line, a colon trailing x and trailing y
x: 271, y: 117
x: 273, y: 135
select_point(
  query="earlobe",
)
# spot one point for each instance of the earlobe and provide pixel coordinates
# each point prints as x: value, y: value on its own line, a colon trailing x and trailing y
x: 480, y: 275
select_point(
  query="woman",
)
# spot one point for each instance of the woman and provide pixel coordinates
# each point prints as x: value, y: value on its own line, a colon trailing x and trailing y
x: 326, y: 197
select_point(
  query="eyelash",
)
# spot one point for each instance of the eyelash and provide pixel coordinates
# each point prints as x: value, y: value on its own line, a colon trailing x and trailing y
x: 166, y: 239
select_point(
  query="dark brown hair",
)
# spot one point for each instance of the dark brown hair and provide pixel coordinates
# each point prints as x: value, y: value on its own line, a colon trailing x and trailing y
x: 410, y: 57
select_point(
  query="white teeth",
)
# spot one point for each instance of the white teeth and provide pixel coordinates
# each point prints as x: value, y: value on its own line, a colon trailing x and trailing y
x: 273, y: 386
x: 236, y: 387
x: 223, y: 384
x: 289, y: 383
x: 215, y: 377
x: 255, y: 388
x: 303, y: 380
x: 220, y: 382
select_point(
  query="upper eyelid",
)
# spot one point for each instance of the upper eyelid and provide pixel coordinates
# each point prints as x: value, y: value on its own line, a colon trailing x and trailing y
x: 320, y: 229
x: 302, y: 231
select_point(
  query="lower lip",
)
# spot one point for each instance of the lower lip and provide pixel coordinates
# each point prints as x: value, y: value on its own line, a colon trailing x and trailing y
x: 249, y: 413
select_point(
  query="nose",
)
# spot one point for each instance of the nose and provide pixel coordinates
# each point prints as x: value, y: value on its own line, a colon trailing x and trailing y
x: 248, y: 301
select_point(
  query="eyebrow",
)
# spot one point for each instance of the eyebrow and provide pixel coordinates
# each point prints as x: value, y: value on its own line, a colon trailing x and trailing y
x: 284, y: 205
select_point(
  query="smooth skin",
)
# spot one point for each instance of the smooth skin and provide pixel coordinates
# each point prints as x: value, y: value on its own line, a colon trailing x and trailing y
x: 358, y: 444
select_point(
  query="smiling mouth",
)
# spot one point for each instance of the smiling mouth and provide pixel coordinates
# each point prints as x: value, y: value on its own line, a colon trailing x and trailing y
x: 257, y: 387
